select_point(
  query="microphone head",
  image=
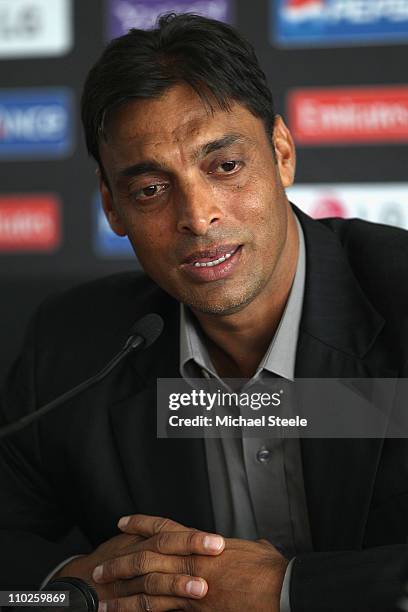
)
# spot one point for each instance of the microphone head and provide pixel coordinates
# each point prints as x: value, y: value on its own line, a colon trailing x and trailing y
x: 149, y: 328
x: 82, y: 596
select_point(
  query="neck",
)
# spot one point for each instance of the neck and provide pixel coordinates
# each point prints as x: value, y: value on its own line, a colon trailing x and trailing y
x: 237, y: 342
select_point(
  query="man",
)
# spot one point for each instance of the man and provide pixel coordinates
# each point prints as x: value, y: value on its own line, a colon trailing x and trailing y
x: 193, y: 167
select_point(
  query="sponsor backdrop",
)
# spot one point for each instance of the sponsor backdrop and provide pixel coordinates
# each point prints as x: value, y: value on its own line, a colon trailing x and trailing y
x: 337, y: 70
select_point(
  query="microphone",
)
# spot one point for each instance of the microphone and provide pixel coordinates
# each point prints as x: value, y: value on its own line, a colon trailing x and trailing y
x: 142, y: 334
x: 82, y: 596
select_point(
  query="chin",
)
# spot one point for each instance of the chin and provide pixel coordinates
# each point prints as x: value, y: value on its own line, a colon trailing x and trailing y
x: 219, y: 307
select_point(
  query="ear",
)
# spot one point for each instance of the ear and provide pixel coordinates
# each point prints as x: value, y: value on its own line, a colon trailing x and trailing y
x: 285, y: 152
x: 108, y: 206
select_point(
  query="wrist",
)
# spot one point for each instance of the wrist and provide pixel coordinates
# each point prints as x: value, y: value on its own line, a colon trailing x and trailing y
x: 273, y: 581
x: 76, y: 568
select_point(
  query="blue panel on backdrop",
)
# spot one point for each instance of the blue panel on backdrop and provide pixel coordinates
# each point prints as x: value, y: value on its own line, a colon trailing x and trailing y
x: 106, y: 242
x: 125, y: 14
x: 338, y: 22
x: 35, y: 123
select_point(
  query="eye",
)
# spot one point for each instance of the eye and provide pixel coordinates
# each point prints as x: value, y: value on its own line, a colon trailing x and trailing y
x: 229, y: 166
x: 149, y: 192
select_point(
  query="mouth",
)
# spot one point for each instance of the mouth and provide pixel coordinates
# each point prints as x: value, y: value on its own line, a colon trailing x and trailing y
x: 211, y: 257
x: 213, y: 264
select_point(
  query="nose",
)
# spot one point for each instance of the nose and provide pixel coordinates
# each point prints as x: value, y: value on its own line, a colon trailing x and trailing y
x: 197, y: 210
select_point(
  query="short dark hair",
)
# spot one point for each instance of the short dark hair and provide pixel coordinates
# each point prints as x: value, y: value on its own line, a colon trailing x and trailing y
x: 210, y: 56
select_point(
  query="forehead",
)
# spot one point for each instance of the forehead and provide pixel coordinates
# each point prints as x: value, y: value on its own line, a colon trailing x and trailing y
x: 177, y: 121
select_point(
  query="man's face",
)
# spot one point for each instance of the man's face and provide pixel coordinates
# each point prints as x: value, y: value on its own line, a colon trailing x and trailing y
x: 191, y: 188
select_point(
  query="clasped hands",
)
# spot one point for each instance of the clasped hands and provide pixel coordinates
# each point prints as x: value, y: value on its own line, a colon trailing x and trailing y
x: 159, y: 565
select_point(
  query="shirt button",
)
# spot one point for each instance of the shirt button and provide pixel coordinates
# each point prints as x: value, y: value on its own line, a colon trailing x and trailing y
x: 263, y: 455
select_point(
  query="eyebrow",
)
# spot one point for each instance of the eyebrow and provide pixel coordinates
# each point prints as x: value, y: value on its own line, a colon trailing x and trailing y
x: 148, y: 166
x: 141, y: 168
x: 221, y: 143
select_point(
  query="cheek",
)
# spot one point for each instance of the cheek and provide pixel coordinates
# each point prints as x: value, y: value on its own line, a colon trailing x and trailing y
x: 152, y: 247
x: 259, y: 209
x: 146, y: 232
x: 264, y: 213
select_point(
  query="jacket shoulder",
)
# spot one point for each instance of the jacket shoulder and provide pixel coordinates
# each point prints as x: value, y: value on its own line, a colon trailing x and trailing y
x: 83, y: 327
x: 102, y: 300
x: 378, y: 257
x: 369, y: 243
x: 351, y: 231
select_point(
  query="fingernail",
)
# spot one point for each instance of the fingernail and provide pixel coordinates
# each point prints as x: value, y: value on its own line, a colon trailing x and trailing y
x: 123, y: 521
x: 195, y: 587
x: 213, y: 543
x: 97, y: 573
x: 102, y: 606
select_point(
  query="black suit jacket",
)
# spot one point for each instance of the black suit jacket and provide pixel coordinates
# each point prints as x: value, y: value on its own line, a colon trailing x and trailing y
x: 98, y: 458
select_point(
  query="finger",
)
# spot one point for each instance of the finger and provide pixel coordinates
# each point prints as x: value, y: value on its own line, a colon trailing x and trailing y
x: 147, y: 526
x: 150, y: 526
x: 156, y: 583
x: 141, y: 563
x: 184, y: 543
x: 171, y: 584
x: 167, y: 543
x: 144, y: 603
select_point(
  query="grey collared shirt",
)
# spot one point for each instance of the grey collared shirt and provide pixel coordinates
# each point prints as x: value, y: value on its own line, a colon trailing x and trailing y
x: 256, y: 484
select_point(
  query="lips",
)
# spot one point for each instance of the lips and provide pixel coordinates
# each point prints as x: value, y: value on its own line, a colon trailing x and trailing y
x: 212, y: 254
x: 213, y: 264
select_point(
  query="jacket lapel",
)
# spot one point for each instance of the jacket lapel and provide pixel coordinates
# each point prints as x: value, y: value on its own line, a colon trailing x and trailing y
x: 339, y: 334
